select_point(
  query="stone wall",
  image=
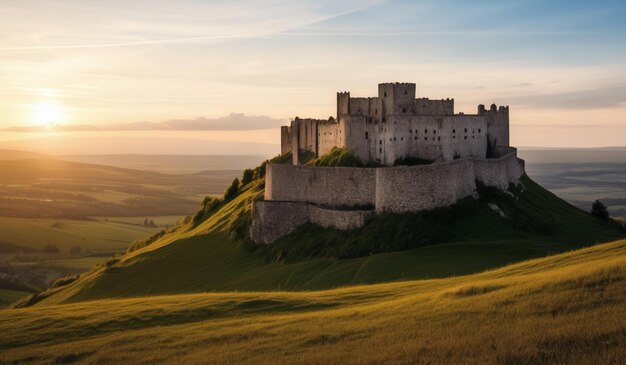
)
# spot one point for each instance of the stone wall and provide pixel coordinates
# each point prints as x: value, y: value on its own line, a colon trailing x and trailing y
x: 272, y: 220
x: 415, y: 188
x: 295, y: 195
x: 329, y: 186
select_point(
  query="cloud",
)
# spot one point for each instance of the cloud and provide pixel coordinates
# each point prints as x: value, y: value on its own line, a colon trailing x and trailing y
x: 231, y: 122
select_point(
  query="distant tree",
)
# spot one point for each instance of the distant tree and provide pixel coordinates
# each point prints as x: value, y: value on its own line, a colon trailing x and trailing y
x: 152, y: 224
x: 248, y: 174
x: 232, y: 190
x: 598, y: 209
x: 146, y: 223
x: 76, y: 250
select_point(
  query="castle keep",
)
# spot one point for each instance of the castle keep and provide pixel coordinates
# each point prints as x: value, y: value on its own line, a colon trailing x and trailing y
x: 395, y: 125
x: 383, y: 131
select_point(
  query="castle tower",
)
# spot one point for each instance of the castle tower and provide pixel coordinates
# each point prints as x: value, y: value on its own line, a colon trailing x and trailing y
x: 398, y: 98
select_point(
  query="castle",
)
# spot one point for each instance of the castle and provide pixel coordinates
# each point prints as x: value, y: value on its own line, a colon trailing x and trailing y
x: 459, y: 151
x: 395, y: 125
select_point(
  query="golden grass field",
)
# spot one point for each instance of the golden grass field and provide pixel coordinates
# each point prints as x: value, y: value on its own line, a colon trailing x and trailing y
x: 565, y: 309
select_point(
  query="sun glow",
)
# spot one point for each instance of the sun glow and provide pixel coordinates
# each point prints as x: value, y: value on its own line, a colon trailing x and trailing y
x: 47, y: 114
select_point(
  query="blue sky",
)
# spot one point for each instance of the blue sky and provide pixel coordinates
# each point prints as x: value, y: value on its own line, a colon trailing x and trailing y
x: 560, y: 65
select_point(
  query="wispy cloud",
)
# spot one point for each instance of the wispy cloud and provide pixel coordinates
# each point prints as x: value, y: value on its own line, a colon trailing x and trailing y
x: 232, y: 122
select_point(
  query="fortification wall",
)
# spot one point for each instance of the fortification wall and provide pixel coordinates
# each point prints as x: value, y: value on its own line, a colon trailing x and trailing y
x: 359, y: 106
x: 285, y: 140
x: 328, y: 186
x: 425, y: 106
x: 293, y: 193
x: 272, y: 220
x: 414, y: 188
x: 434, y: 138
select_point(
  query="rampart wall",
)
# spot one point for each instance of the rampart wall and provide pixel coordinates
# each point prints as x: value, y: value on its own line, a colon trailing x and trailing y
x: 328, y: 186
x: 295, y: 195
x: 272, y: 220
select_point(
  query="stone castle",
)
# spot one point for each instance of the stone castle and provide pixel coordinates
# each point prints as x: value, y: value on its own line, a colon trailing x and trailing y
x: 395, y: 125
x: 460, y: 150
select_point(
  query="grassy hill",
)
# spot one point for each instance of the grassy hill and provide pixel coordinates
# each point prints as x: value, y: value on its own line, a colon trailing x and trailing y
x: 209, y: 254
x: 567, y: 308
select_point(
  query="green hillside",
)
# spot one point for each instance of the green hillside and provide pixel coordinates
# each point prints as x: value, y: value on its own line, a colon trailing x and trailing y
x: 208, y: 254
x: 563, y: 309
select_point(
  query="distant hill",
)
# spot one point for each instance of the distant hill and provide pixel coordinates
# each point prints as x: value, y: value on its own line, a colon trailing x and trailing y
x: 6, y: 154
x: 542, y: 155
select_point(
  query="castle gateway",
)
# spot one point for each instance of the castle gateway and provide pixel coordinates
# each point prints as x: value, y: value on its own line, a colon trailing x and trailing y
x: 395, y: 125
x: 455, y: 152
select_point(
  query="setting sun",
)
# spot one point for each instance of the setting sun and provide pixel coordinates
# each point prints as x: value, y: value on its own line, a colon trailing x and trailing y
x: 48, y: 113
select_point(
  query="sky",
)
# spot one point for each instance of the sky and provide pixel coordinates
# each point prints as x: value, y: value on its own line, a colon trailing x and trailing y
x: 561, y: 66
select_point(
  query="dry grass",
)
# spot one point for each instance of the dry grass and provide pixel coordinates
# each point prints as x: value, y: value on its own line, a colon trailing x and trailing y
x: 569, y: 308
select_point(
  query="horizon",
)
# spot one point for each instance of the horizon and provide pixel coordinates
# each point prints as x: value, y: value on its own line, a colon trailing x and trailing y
x: 85, y: 66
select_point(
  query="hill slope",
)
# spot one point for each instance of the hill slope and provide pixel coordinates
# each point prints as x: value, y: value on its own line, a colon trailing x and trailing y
x: 207, y: 256
x: 569, y: 308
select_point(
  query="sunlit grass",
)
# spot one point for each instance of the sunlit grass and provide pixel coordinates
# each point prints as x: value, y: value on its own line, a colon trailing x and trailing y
x: 567, y: 308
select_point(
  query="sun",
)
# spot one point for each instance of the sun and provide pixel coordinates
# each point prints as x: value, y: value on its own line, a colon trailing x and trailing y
x: 47, y: 114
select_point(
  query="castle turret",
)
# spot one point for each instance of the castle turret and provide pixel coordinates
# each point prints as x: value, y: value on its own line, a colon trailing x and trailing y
x: 497, y: 124
x: 343, y: 104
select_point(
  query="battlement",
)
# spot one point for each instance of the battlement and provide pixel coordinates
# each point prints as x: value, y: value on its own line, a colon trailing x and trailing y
x: 494, y: 109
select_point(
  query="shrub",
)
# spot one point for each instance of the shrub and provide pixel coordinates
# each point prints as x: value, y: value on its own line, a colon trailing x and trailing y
x: 65, y: 280
x: 599, y: 210
x: 232, y: 190
x: 337, y: 157
x: 247, y: 177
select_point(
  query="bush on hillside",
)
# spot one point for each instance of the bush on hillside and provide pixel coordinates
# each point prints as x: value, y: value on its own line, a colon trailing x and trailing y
x: 247, y: 177
x: 232, y: 190
x: 337, y: 157
x: 65, y: 280
x: 599, y: 210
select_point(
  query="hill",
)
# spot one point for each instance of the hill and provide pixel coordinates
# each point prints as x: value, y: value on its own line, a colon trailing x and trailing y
x: 44, y: 188
x: 209, y: 252
x: 567, y: 308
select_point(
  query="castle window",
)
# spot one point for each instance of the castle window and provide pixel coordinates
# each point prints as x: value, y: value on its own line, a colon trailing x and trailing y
x: 465, y: 130
x: 380, y: 142
x: 425, y: 138
x: 453, y: 137
x: 435, y: 131
x: 473, y: 137
x: 375, y: 111
x: 425, y: 130
x: 439, y: 138
x: 406, y: 92
x: 465, y: 137
x: 454, y: 131
x: 385, y: 94
x: 366, y: 135
x: 380, y: 150
x: 404, y: 110
x: 478, y: 130
x: 395, y: 139
x: 416, y: 138
x: 390, y: 139
x: 402, y: 138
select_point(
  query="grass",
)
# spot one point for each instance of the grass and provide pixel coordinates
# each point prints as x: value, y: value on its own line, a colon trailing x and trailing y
x: 7, y: 296
x: 210, y: 256
x: 94, y: 234
x: 567, y: 308
x: 337, y: 157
